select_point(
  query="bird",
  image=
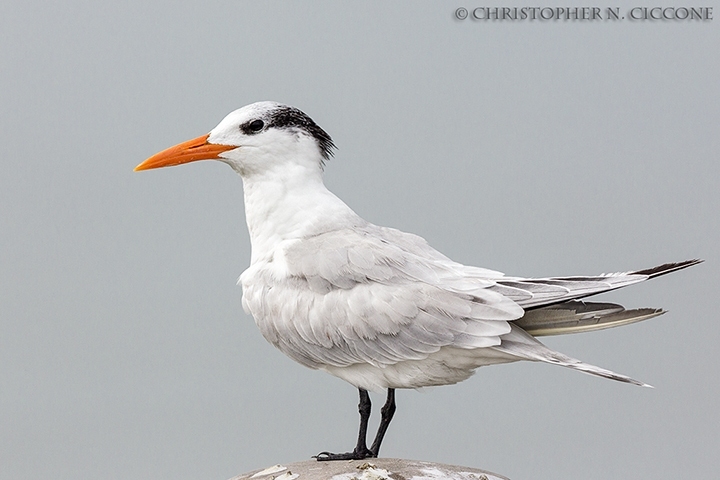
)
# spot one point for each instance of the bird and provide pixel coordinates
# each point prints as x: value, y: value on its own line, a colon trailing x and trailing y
x: 375, y: 306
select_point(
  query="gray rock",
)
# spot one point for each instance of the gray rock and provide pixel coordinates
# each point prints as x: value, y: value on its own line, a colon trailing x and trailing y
x: 371, y: 469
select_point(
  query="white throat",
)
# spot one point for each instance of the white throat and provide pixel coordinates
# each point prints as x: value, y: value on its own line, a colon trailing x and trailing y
x: 290, y: 204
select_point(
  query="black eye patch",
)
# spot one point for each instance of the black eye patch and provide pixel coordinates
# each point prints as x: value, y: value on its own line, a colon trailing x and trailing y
x: 252, y: 127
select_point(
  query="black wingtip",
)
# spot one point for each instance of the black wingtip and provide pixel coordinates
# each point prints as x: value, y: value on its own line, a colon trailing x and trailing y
x: 667, y: 268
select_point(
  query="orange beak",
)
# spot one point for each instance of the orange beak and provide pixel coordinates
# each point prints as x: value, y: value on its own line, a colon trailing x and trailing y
x: 190, y: 151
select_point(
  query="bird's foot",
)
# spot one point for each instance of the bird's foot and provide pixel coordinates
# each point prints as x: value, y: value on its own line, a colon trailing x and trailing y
x: 357, y: 454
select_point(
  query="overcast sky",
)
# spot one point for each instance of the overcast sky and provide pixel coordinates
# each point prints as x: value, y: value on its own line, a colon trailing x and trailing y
x: 533, y: 148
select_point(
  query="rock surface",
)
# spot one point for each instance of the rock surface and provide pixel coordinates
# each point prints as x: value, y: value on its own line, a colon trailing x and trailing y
x: 371, y: 469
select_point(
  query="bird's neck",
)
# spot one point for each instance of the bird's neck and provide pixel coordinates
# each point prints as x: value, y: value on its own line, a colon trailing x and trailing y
x: 290, y: 206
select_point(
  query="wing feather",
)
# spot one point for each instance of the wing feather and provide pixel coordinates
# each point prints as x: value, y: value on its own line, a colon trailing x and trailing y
x: 373, y: 296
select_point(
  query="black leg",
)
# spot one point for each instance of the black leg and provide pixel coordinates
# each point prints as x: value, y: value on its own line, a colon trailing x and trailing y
x: 364, y: 408
x: 387, y: 412
x: 361, y: 451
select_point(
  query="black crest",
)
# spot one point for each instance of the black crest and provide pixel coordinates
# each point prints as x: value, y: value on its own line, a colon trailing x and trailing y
x: 290, y: 117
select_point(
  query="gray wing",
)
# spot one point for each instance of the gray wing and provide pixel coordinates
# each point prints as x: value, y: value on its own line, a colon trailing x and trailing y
x: 376, y: 295
x: 379, y: 296
x: 575, y: 316
x: 532, y: 293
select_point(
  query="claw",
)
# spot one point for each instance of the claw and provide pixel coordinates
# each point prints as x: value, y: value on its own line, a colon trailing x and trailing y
x: 354, y: 455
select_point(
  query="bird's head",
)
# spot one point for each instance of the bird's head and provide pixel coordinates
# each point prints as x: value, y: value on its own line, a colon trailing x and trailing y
x: 257, y: 138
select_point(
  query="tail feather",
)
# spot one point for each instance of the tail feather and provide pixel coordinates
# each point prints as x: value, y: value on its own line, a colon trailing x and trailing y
x: 565, y: 361
x: 520, y: 344
x: 552, y: 308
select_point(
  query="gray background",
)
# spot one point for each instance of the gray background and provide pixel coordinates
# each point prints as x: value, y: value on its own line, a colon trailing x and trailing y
x: 550, y: 148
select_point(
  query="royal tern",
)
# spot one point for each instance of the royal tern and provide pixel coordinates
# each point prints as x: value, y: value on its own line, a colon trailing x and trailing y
x: 374, y: 306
